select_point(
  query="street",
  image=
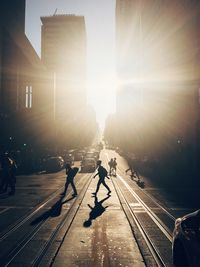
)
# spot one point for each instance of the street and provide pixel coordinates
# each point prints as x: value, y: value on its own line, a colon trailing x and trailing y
x: 130, y: 227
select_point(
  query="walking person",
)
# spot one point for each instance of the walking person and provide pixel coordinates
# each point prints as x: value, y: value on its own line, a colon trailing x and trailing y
x: 71, y: 173
x: 8, y: 172
x: 102, y: 172
x: 132, y: 163
x: 110, y: 164
x: 115, y: 166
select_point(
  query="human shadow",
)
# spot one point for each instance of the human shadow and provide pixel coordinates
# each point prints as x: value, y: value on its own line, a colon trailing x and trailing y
x: 55, y: 211
x: 96, y: 211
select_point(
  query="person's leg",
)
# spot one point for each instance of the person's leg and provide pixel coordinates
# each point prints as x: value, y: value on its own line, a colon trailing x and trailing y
x: 106, y: 186
x: 73, y: 187
x: 66, y: 186
x: 12, y: 187
x: 3, y: 185
x: 98, y: 185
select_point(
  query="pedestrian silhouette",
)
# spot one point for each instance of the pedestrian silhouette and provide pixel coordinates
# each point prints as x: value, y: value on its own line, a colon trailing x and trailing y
x: 110, y: 163
x: 71, y: 173
x: 8, y: 172
x: 114, y: 165
x: 102, y: 172
x: 96, y: 211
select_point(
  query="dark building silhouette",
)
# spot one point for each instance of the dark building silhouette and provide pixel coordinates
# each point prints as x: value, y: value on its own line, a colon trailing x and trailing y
x: 158, y: 70
x: 64, y: 55
x: 23, y: 81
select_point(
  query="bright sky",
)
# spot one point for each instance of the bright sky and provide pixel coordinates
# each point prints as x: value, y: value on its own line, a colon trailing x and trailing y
x: 100, y: 27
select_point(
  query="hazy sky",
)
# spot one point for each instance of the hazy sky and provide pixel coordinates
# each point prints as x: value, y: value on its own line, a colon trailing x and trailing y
x: 100, y: 28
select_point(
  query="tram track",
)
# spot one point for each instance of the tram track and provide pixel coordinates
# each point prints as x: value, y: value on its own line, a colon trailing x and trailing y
x: 161, y: 256
x: 64, y: 225
x: 139, y: 208
x: 23, y: 240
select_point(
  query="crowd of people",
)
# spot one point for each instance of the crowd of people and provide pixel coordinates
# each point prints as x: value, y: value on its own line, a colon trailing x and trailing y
x: 113, y: 166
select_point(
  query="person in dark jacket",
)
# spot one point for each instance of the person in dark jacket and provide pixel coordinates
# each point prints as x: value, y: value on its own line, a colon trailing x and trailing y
x: 8, y: 173
x: 102, y: 172
x: 71, y: 173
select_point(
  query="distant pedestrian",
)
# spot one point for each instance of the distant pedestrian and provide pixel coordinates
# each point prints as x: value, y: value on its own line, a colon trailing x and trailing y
x: 71, y: 173
x: 102, y: 172
x: 8, y: 174
x: 132, y: 168
x: 110, y: 164
x: 115, y: 166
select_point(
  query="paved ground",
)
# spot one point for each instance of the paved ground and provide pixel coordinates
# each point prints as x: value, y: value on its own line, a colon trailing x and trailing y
x: 100, y: 234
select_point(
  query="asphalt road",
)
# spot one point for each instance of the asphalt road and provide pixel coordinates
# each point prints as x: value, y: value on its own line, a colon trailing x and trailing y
x: 40, y: 227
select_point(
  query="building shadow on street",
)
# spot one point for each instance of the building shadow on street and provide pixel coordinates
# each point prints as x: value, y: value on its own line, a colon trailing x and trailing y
x: 96, y: 211
x: 54, y: 211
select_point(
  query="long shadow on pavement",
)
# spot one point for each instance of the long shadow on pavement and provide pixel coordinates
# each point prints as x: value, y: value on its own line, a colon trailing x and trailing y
x: 55, y: 211
x: 96, y: 211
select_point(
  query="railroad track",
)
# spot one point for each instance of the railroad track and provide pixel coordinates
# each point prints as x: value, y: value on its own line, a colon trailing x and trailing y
x: 153, y: 221
x: 145, y: 221
x: 153, y: 230
x: 29, y: 228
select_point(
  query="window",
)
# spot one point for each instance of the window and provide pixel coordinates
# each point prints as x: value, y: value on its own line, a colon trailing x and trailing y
x: 28, y: 101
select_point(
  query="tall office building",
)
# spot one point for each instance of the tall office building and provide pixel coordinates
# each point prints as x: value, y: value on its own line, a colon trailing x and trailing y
x: 64, y: 54
x: 157, y: 65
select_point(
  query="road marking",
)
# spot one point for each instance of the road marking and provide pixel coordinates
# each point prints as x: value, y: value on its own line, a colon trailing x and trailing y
x: 5, y: 209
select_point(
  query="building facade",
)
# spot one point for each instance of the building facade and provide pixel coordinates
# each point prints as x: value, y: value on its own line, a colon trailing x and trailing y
x: 158, y: 70
x: 23, y: 81
x: 64, y: 55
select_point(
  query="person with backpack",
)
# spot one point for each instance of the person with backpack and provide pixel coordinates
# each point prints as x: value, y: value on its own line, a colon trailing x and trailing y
x: 102, y: 172
x: 71, y: 173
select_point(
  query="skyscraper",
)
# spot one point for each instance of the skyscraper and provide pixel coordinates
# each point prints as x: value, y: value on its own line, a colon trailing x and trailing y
x: 64, y: 54
x: 158, y: 71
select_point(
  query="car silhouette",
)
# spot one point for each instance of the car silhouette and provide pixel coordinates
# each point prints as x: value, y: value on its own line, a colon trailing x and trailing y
x: 88, y: 165
x: 186, y: 241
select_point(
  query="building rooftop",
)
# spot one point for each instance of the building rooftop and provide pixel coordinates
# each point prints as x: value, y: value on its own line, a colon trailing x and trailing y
x: 60, y: 17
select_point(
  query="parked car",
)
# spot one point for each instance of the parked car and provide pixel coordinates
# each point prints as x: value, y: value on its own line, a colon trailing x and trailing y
x: 92, y: 154
x: 69, y: 159
x: 186, y: 241
x: 78, y: 155
x: 88, y: 165
x: 54, y: 164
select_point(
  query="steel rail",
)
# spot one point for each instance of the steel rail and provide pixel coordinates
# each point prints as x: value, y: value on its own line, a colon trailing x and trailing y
x: 154, y: 252
x: 25, y: 240
x: 45, y: 248
x: 152, y: 215
x: 29, y: 215
x: 155, y: 201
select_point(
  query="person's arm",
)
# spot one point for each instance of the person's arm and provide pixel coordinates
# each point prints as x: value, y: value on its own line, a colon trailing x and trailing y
x: 127, y: 170
x: 95, y: 175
